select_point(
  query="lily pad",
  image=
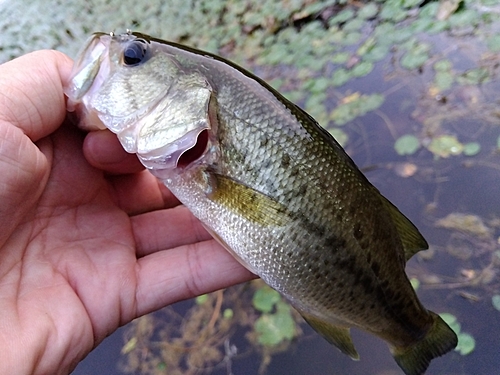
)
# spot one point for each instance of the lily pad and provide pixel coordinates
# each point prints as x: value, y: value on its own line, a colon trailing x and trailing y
x: 472, y: 148
x: 200, y: 300
x: 415, y: 283
x: 272, y: 329
x: 339, y: 135
x: 408, y: 144
x: 370, y: 10
x: 265, y: 298
x: 451, y: 320
x: 495, y: 300
x: 445, y: 145
x: 466, y: 343
x: 362, y: 69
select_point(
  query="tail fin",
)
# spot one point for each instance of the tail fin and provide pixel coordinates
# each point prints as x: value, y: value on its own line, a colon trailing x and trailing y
x: 439, y: 340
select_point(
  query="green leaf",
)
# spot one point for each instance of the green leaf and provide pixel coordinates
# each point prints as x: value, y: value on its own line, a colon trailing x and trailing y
x: 342, y: 17
x: 370, y: 10
x: 466, y: 343
x: 340, y: 58
x: 372, y: 102
x: 340, y: 77
x: 272, y: 329
x: 362, y: 69
x: 415, y: 283
x: 443, y: 80
x: 495, y: 300
x: 474, y: 77
x: 200, y: 300
x: 265, y: 298
x: 451, y: 320
x: 494, y: 43
x: 228, y: 313
x: 353, y: 25
x: 445, y: 146
x: 416, y: 57
x: 408, y: 144
x: 339, y: 135
x: 472, y: 148
x: 442, y: 65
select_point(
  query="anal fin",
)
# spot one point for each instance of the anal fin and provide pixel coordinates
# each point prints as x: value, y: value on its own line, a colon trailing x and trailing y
x: 334, y: 334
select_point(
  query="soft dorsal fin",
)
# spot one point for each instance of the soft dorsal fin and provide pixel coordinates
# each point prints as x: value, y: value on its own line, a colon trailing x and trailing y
x: 411, y: 238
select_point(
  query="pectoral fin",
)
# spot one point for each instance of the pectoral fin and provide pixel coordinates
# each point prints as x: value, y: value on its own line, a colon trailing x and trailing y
x: 411, y: 238
x: 334, y: 334
x: 248, y: 202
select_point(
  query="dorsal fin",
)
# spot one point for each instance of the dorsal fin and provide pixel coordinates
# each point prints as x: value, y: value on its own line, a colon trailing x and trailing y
x: 411, y: 238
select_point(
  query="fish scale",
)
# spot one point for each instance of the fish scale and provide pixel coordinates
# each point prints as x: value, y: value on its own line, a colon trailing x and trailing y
x: 272, y: 186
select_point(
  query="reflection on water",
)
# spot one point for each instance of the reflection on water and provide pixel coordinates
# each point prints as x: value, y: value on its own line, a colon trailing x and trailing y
x: 439, y: 88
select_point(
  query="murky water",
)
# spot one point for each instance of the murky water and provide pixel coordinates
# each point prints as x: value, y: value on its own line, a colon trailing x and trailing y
x: 459, y: 275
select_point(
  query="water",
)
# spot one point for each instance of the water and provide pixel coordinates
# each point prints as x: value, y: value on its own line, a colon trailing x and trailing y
x: 424, y: 186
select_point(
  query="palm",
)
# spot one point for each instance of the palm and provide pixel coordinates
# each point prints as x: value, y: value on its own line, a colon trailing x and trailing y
x: 80, y: 253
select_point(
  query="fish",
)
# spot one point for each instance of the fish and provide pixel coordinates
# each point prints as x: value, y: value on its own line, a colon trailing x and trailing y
x: 268, y: 182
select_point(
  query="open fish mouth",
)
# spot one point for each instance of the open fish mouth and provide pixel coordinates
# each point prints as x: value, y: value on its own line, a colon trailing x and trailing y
x: 165, y: 122
x: 179, y: 154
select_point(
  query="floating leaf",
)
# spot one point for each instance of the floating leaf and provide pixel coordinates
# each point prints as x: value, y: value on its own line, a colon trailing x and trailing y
x: 340, y: 77
x: 265, y: 298
x: 471, y: 224
x: 370, y: 10
x: 494, y: 43
x: 466, y: 343
x: 362, y: 69
x: 228, y: 313
x: 408, y: 144
x: 451, y: 320
x: 473, y: 77
x: 442, y: 65
x: 495, y: 300
x: 200, y: 300
x: 472, y: 148
x: 445, y: 146
x: 355, y: 105
x: 340, y: 58
x: 341, y: 17
x: 416, y: 57
x: 339, y: 135
x: 444, y: 80
x: 272, y: 329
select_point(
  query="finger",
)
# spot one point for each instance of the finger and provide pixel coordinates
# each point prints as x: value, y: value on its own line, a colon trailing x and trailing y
x: 169, y: 276
x: 103, y: 150
x: 166, y: 229
x: 31, y: 95
x: 140, y: 192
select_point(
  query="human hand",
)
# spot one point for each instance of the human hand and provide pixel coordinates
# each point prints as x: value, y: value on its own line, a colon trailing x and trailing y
x: 87, y: 243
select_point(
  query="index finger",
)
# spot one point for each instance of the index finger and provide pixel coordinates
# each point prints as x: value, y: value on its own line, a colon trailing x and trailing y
x: 32, y: 97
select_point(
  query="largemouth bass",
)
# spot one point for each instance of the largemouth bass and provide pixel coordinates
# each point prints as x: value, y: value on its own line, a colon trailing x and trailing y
x: 269, y: 183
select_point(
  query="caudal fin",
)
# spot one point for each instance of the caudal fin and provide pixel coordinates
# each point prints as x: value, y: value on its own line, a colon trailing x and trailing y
x: 415, y: 359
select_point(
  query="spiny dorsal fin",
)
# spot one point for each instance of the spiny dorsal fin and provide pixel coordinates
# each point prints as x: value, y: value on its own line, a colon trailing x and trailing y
x: 334, y: 334
x: 411, y: 238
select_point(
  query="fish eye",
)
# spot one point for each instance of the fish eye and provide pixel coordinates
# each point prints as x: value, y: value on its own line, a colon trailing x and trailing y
x: 135, y: 53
